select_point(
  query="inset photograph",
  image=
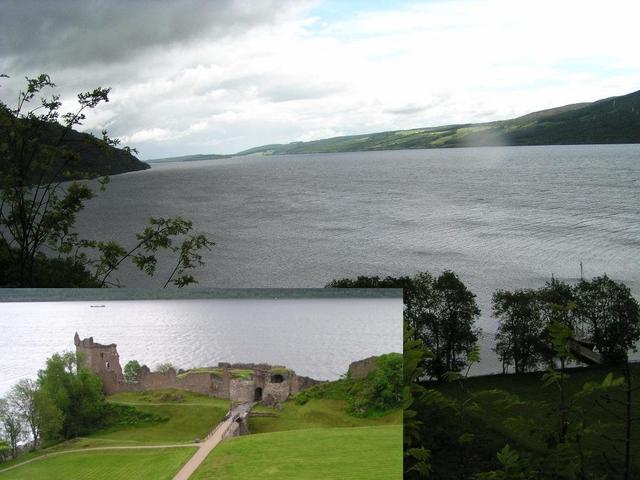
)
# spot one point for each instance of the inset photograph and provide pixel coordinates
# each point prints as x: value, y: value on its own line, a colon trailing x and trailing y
x: 224, y: 384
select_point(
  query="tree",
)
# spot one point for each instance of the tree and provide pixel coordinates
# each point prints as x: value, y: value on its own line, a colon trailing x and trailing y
x: 442, y: 311
x: 49, y: 416
x: 165, y: 367
x: 557, y: 307
x: 38, y: 207
x: 610, y: 315
x: 557, y: 303
x: 520, y: 330
x: 75, y: 392
x: 23, y: 399
x: 132, y: 371
x: 12, y: 426
x: 457, y: 312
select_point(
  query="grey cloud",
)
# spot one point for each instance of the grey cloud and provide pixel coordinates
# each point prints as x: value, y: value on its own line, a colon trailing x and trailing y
x: 62, y: 33
x: 284, y: 92
x: 407, y: 109
x: 275, y: 88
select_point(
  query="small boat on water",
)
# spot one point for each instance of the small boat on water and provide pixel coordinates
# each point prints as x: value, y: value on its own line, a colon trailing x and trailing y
x: 97, y: 306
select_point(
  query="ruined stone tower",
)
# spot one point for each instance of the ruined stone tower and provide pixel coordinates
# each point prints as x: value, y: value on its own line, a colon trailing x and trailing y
x: 103, y: 360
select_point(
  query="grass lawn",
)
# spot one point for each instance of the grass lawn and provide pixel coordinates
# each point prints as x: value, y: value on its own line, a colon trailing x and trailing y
x: 156, y: 464
x: 529, y: 387
x: 190, y: 416
x: 316, y: 413
x: 365, y: 453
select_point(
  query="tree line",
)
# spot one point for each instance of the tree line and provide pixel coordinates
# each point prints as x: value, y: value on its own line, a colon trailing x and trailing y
x: 442, y: 313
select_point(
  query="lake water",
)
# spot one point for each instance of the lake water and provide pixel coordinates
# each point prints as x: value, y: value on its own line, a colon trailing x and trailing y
x: 314, y: 337
x: 501, y: 217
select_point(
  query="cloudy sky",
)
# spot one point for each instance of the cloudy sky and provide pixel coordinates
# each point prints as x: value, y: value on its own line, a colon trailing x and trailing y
x: 196, y: 76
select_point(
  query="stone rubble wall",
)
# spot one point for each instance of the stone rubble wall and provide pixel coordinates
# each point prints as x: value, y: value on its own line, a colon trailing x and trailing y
x: 241, y: 390
x: 362, y: 368
x: 275, y: 394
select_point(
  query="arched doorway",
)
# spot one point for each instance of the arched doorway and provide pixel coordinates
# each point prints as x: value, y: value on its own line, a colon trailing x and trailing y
x: 258, y: 395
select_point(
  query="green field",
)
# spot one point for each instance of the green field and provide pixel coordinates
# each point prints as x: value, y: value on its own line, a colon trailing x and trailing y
x: 364, y: 453
x: 152, y: 464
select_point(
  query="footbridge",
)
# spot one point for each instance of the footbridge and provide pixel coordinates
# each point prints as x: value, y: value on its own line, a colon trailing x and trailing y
x: 582, y: 349
x: 233, y: 424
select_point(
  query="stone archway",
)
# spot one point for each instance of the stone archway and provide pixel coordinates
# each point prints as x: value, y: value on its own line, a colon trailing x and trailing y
x: 258, y: 395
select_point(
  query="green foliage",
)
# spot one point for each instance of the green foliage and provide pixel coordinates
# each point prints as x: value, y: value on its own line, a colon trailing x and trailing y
x: 165, y: 367
x: 610, y: 315
x: 381, y: 390
x: 74, y: 392
x: 518, y: 340
x: 132, y: 370
x: 417, y: 458
x: 12, y: 427
x: 337, y: 390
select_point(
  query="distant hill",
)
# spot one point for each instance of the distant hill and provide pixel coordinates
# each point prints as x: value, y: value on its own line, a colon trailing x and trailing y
x: 189, y: 158
x: 95, y: 157
x: 611, y: 120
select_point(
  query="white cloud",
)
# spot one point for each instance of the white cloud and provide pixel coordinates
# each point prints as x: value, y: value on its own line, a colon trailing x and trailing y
x: 293, y: 76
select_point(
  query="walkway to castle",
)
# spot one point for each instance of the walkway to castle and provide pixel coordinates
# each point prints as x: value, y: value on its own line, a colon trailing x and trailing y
x: 214, y: 438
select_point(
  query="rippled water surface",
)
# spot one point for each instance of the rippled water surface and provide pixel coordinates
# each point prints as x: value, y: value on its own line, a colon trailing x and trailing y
x: 314, y: 337
x: 501, y: 217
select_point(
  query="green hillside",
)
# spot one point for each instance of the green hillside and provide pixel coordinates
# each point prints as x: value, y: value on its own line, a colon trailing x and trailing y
x: 612, y: 120
x: 95, y: 157
x: 189, y: 158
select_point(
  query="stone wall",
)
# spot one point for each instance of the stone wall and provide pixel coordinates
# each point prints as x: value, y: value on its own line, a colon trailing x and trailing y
x: 241, y: 390
x: 299, y: 383
x: 362, y: 368
x: 275, y: 394
x: 272, y: 384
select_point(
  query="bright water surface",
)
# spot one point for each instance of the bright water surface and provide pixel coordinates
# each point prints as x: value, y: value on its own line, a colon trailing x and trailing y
x: 502, y: 217
x: 314, y: 337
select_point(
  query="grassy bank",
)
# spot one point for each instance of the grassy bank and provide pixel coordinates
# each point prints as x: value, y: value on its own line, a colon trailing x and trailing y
x: 316, y: 413
x: 188, y: 417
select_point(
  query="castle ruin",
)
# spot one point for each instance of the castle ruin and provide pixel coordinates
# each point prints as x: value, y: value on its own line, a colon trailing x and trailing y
x: 239, y: 382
